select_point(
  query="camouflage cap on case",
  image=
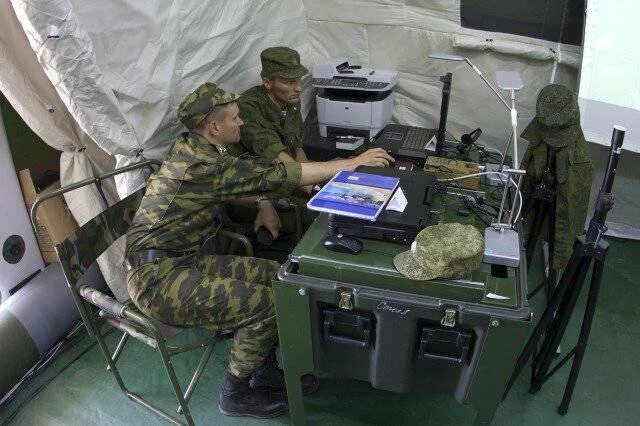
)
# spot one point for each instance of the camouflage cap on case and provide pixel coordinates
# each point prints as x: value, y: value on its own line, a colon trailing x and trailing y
x: 557, y: 120
x: 195, y: 107
x: 283, y: 62
x: 444, y: 250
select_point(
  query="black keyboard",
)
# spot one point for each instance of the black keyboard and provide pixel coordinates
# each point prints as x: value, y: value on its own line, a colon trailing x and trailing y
x: 416, y: 138
x: 348, y: 83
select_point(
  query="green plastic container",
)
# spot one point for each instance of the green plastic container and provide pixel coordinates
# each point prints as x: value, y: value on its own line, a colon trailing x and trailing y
x: 356, y: 316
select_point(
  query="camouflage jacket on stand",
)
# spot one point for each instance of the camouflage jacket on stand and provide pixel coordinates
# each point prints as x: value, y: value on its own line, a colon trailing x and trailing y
x: 573, y: 173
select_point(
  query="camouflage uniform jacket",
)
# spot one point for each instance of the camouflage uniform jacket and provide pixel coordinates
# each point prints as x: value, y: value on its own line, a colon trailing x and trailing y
x: 573, y: 185
x: 182, y: 203
x: 265, y: 133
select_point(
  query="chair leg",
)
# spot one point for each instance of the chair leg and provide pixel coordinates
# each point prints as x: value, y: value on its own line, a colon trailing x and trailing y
x: 119, y: 347
x: 114, y: 370
x: 197, y: 373
x: 111, y: 365
x: 166, y: 360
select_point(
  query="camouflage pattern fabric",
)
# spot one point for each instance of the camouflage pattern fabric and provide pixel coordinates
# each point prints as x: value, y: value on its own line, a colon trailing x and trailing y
x: 560, y: 130
x: 195, y: 107
x: 81, y: 249
x: 183, y: 200
x: 221, y: 293
x: 103, y: 301
x: 283, y: 62
x: 182, y: 206
x: 557, y: 119
x: 267, y: 130
x: 444, y: 250
x: 447, y: 168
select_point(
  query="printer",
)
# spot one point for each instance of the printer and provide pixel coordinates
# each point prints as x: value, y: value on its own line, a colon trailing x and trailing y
x: 353, y: 100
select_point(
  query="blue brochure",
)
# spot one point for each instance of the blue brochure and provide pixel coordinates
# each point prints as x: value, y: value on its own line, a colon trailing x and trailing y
x: 354, y: 194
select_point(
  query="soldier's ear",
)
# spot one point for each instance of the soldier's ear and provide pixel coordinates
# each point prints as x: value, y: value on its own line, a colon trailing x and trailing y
x: 267, y: 83
x: 213, y: 128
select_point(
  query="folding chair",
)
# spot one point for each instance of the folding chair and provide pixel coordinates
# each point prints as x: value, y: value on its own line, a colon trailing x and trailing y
x: 81, y: 249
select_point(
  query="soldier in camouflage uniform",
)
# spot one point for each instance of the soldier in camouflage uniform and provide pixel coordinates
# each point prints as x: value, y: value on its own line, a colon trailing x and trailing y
x: 273, y: 124
x: 183, y: 204
x: 556, y: 126
x: 271, y: 111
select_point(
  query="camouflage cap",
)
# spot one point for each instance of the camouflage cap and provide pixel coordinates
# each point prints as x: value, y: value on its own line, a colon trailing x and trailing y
x: 283, y: 62
x: 444, y: 250
x: 195, y: 107
x: 557, y: 106
x: 557, y: 120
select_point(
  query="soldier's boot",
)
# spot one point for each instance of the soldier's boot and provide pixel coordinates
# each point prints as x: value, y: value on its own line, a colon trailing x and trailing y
x: 270, y: 377
x: 239, y: 399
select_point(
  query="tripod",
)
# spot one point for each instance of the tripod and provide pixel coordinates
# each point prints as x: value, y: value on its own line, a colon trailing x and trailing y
x: 543, y: 205
x: 588, y: 249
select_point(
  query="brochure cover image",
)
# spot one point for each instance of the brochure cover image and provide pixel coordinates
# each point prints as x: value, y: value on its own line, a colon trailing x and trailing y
x: 354, y: 194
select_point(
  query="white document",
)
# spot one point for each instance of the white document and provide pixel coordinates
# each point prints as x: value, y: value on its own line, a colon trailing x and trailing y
x: 398, y: 202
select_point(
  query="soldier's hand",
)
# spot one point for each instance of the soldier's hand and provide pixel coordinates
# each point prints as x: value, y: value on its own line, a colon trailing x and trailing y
x: 376, y: 157
x: 267, y: 217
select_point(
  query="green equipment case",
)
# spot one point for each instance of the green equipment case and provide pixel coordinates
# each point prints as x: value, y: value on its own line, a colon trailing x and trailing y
x: 357, y: 316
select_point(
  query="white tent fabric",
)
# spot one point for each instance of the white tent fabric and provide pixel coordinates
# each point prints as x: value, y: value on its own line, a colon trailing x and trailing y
x: 123, y: 68
x: 33, y: 96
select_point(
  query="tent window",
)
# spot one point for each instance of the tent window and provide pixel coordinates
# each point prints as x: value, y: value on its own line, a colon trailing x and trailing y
x: 553, y: 20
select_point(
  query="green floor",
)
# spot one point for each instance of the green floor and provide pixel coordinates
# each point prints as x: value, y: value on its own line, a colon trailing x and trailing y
x: 608, y: 390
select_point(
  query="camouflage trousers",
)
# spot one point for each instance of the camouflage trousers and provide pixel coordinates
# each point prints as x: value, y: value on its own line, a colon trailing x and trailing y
x: 221, y: 293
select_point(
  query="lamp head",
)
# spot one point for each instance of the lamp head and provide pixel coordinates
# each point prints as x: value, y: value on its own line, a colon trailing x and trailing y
x: 446, y: 57
x: 509, y: 80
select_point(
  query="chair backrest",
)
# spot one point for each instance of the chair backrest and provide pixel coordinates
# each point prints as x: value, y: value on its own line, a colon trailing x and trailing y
x: 81, y: 248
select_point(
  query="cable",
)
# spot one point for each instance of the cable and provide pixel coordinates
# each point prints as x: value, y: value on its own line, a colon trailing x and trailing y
x: 518, y: 195
x: 519, y: 199
x: 488, y: 149
x: 473, y: 205
x: 43, y: 362
x: 46, y: 383
x: 472, y: 175
x: 452, y: 136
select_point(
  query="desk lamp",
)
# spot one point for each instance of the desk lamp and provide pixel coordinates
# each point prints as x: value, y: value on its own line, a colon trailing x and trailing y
x: 501, y: 240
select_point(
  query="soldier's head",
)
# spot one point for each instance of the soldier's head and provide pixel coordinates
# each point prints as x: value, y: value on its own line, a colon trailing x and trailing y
x: 282, y: 74
x: 212, y: 113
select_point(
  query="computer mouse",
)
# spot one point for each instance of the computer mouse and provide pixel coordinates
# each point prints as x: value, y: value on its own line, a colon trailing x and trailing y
x: 343, y: 244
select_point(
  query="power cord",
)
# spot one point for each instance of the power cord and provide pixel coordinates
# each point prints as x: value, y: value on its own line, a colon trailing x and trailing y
x: 47, y: 358
x: 518, y: 195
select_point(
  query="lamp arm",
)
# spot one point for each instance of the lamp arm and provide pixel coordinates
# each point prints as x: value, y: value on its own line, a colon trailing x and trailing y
x: 487, y: 83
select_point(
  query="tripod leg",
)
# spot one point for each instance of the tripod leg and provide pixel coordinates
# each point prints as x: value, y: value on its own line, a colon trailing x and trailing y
x: 550, y: 279
x: 559, y: 324
x: 545, y: 320
x: 538, y: 218
x: 581, y: 346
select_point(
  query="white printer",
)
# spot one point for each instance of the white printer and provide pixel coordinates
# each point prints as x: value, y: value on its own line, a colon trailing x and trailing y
x: 352, y: 100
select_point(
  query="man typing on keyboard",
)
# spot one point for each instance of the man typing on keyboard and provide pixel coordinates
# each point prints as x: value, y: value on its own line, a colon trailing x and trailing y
x: 271, y: 111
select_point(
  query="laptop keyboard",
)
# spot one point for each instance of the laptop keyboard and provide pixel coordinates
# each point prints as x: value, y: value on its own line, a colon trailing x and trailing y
x: 416, y: 139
